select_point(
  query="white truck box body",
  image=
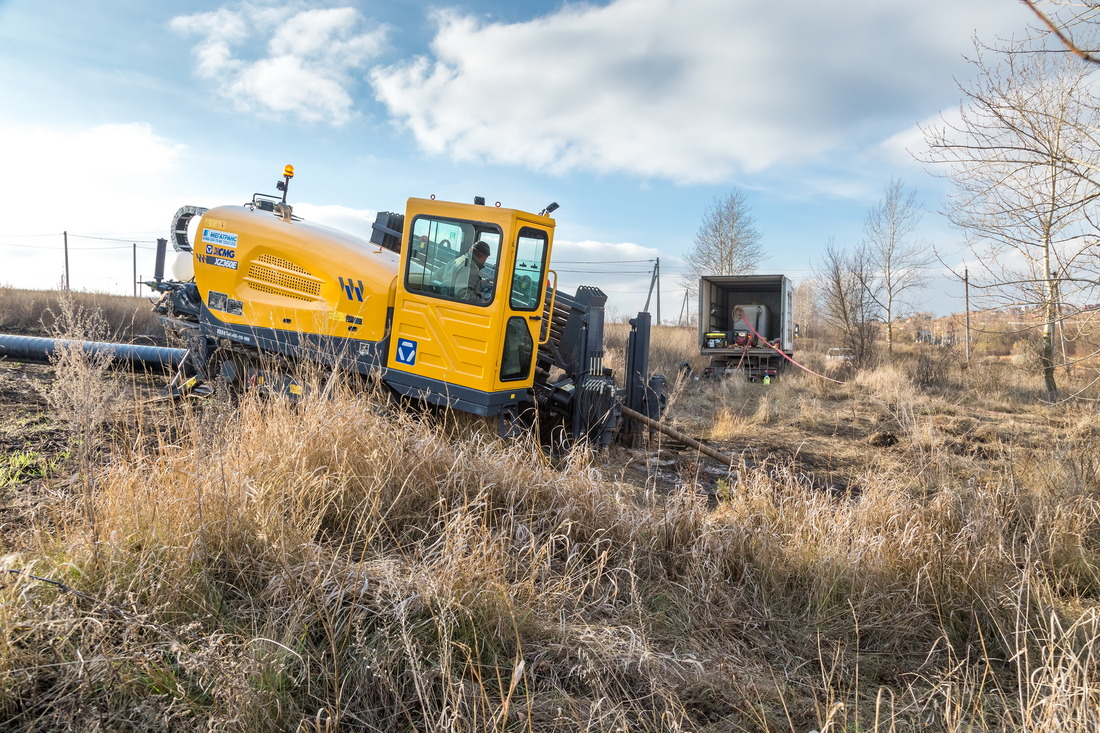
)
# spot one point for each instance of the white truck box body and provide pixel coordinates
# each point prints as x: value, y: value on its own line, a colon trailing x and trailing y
x: 765, y: 301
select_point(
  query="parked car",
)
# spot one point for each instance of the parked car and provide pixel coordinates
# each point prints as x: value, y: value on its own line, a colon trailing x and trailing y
x: 840, y: 354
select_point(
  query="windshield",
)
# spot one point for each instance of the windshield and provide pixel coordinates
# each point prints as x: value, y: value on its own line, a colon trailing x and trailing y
x: 453, y: 259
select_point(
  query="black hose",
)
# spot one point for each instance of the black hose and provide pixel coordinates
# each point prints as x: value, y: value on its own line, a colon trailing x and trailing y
x: 33, y: 348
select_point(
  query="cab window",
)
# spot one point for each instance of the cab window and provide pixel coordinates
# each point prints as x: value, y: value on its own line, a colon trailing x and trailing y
x: 453, y: 259
x: 528, y: 273
x: 519, y: 347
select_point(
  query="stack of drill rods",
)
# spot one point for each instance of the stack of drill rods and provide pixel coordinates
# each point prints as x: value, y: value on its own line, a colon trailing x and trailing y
x: 557, y: 328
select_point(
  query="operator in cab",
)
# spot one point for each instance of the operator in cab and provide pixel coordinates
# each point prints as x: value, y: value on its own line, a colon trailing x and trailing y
x: 463, y: 275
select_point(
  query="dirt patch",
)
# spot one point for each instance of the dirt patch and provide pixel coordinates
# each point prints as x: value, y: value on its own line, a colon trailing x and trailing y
x: 23, y: 411
x: 37, y: 463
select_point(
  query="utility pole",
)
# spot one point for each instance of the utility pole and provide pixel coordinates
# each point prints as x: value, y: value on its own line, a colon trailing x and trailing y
x: 649, y: 295
x: 65, y: 234
x: 135, y: 269
x: 657, y: 271
x: 966, y: 292
x: 655, y: 282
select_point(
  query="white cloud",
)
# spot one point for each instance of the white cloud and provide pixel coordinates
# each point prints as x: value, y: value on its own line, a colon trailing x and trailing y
x: 222, y: 29
x: 622, y: 270
x: 687, y: 90
x: 61, y: 175
x: 910, y: 145
x: 590, y: 251
x: 105, y: 151
x: 305, y: 67
x: 107, y: 186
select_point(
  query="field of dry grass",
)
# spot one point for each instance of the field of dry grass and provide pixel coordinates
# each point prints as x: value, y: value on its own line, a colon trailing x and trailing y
x: 35, y: 312
x: 914, y: 549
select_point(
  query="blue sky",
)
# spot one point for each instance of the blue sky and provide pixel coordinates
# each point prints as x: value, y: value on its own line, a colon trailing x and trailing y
x: 631, y: 114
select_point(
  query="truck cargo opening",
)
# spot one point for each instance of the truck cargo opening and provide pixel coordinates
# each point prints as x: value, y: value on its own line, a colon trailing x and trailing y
x: 744, y: 322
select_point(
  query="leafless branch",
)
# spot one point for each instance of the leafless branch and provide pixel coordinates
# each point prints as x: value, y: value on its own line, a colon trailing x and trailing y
x: 1066, y: 41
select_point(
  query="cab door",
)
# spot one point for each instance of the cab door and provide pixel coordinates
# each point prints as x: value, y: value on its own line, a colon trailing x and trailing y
x: 523, y: 313
x: 437, y: 333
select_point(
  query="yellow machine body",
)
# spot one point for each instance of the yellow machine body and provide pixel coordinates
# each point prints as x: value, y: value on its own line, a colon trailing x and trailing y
x: 292, y: 276
x: 468, y: 340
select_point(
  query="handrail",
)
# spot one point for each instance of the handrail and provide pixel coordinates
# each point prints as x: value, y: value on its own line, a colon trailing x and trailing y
x: 550, y: 311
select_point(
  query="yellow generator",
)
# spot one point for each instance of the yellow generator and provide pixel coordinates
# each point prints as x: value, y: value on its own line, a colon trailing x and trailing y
x: 448, y: 303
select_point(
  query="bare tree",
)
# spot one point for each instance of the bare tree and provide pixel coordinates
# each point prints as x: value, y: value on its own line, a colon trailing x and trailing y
x: 846, y: 302
x: 895, y: 259
x: 1021, y: 157
x: 807, y: 311
x: 727, y: 243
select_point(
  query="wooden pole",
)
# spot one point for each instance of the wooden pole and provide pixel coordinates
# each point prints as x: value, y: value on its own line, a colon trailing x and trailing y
x: 652, y: 283
x: 65, y: 234
x: 135, y: 270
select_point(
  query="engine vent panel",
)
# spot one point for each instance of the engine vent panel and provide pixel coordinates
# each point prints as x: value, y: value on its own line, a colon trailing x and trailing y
x: 276, y: 276
x: 283, y: 264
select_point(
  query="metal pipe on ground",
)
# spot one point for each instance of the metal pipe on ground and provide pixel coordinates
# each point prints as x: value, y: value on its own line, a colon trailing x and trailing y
x: 34, y: 348
x: 687, y: 440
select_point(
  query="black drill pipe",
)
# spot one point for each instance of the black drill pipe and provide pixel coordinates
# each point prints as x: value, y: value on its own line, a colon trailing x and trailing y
x: 33, y: 348
x: 687, y: 440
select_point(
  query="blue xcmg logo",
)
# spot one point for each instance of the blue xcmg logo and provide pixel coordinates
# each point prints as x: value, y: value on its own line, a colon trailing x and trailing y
x: 353, y: 289
x: 221, y: 252
x: 406, y: 352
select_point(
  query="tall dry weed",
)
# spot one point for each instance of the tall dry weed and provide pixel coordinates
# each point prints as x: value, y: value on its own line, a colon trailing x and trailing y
x: 669, y: 348
x: 351, y: 522
x: 80, y: 396
x: 893, y: 390
x: 727, y: 425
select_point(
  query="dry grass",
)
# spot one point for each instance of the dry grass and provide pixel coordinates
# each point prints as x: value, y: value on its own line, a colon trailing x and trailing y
x: 669, y: 347
x: 341, y: 565
x: 34, y: 312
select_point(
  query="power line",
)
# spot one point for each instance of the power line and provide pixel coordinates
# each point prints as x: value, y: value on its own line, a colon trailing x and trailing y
x: 108, y: 237
x: 31, y: 246
x: 678, y: 291
x: 603, y: 262
x: 604, y: 272
x: 112, y: 239
x: 59, y: 247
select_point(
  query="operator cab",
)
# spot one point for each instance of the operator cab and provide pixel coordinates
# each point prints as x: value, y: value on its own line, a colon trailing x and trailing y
x: 469, y: 304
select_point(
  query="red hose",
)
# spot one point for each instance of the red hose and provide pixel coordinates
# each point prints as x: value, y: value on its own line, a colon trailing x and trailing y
x: 783, y: 353
x: 742, y: 359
